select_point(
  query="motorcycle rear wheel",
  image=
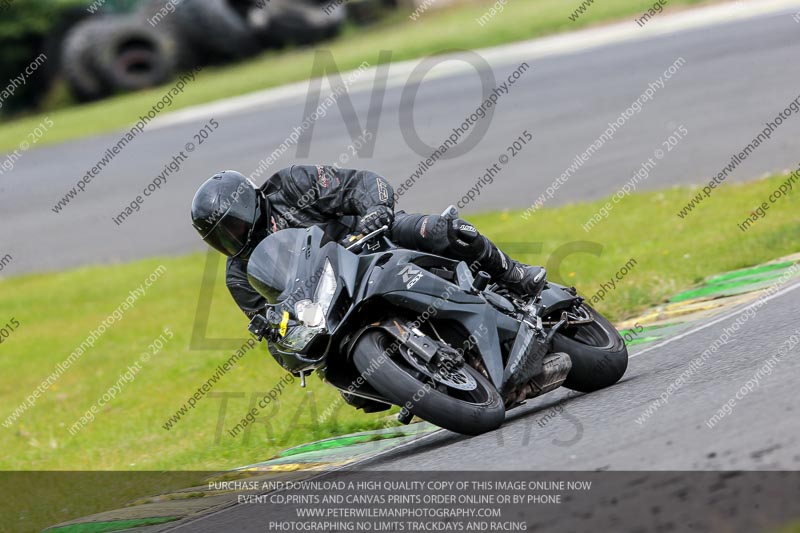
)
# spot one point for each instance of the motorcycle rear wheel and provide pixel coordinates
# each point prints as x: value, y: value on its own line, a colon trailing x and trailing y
x: 598, y: 352
x: 466, y: 412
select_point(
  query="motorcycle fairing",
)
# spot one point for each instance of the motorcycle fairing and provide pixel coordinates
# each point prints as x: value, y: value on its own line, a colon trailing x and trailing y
x: 557, y: 297
x: 403, y: 282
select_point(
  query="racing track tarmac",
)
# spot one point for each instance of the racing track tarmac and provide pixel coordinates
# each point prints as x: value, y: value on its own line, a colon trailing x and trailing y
x: 736, y: 76
x: 599, y: 431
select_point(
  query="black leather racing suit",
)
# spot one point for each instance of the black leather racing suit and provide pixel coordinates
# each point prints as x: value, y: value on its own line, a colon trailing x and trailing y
x: 334, y: 199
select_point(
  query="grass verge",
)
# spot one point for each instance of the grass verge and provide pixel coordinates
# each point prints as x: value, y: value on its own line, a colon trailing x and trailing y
x: 57, y: 311
x: 433, y: 33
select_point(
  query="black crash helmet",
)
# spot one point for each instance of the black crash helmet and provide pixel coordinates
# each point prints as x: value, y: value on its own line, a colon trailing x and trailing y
x: 227, y: 213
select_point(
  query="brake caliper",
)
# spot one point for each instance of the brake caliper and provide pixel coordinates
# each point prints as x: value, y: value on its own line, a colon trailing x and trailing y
x: 447, y: 359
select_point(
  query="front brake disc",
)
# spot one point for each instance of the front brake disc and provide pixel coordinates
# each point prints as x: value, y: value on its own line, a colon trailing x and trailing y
x: 456, y: 379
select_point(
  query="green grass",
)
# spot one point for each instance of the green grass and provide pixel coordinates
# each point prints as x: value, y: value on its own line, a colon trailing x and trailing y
x: 434, y: 33
x: 56, y: 312
x: 671, y: 254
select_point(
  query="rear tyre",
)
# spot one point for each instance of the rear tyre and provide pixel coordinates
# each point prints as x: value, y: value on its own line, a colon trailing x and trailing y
x: 599, y: 355
x: 467, y: 412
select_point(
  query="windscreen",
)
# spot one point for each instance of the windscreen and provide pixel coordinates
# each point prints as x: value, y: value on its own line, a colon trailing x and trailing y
x: 282, y: 259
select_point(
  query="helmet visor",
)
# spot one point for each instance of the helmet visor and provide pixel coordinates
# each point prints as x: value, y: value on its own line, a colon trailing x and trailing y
x: 230, y: 236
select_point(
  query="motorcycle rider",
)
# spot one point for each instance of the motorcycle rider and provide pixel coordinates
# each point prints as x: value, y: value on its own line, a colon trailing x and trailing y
x: 233, y: 216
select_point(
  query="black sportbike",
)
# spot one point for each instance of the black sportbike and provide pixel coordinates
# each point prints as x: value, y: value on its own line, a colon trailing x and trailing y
x: 391, y: 326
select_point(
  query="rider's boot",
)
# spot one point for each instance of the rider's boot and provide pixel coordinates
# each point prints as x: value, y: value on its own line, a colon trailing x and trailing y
x: 525, y: 280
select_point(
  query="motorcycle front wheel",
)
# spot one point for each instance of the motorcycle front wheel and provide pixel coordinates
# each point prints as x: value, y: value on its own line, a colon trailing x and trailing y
x: 472, y: 407
x: 598, y: 352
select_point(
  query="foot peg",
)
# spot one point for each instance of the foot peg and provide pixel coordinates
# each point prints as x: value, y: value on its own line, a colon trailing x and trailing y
x: 480, y: 281
x: 525, y: 280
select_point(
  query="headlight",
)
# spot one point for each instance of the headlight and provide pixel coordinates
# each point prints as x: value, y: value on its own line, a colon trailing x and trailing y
x: 326, y: 288
x: 312, y: 314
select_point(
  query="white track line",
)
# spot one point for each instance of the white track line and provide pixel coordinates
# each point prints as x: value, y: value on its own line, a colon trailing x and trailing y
x: 738, y: 311
x: 186, y: 521
x: 683, y: 335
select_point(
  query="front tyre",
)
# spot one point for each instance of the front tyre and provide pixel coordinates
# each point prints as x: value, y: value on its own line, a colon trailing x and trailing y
x: 468, y: 412
x: 599, y: 355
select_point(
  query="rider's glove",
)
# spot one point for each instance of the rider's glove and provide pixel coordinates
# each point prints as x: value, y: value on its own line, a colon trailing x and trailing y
x: 377, y: 216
